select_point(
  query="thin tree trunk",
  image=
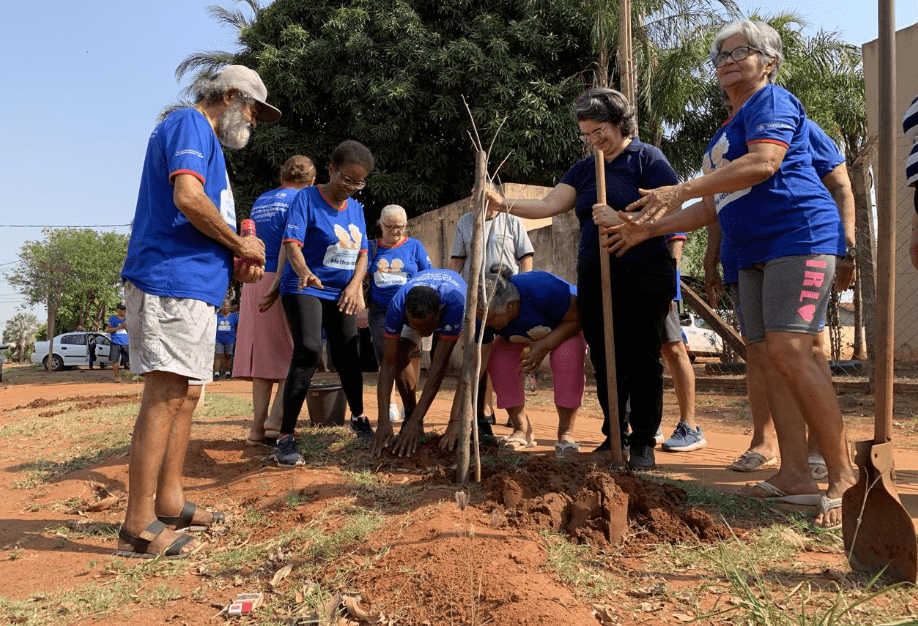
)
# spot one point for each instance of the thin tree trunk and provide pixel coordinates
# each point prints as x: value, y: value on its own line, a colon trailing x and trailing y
x: 866, y: 269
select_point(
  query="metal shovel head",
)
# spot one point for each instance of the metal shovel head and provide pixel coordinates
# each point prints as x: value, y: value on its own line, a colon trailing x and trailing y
x: 877, y: 530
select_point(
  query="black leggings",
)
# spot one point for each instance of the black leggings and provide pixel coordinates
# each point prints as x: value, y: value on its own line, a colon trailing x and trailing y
x: 307, y: 316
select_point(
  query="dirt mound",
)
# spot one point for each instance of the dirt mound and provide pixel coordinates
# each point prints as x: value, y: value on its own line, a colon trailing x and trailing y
x: 598, y: 508
x: 84, y: 403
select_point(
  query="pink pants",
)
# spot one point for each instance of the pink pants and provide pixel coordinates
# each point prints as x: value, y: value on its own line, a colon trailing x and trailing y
x: 566, y: 368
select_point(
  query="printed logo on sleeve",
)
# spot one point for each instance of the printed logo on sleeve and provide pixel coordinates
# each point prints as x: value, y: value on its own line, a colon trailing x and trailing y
x: 189, y: 152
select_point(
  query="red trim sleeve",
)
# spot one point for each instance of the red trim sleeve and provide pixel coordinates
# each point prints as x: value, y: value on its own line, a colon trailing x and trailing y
x: 192, y: 172
x: 777, y: 142
x: 449, y: 337
x: 296, y: 241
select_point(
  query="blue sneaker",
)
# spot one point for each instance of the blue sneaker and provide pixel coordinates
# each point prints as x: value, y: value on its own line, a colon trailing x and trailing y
x: 685, y: 439
x: 286, y: 454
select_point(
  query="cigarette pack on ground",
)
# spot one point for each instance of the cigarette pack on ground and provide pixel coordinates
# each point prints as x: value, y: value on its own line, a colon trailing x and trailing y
x: 245, y: 603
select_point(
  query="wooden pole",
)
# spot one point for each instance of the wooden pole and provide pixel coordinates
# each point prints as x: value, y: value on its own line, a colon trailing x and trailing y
x: 615, y: 438
x: 626, y: 56
x: 470, y: 354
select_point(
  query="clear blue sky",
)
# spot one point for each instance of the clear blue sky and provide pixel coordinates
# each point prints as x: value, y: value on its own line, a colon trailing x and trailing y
x: 84, y: 83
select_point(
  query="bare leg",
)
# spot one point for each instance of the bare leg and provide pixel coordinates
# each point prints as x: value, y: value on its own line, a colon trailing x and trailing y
x: 276, y: 416
x: 522, y: 429
x: 408, y: 371
x: 157, y: 449
x: 261, y: 397
x: 792, y: 356
x: 488, y: 396
x: 566, y: 418
x: 680, y: 368
x: 763, y: 428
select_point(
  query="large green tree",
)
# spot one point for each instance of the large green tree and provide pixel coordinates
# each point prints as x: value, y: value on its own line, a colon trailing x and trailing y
x: 73, y: 272
x: 392, y: 74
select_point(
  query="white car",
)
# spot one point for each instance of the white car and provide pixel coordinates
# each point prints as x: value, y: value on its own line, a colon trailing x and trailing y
x: 72, y: 350
x: 702, y: 339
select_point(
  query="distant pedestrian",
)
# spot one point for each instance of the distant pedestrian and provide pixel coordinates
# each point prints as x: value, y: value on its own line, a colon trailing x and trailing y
x: 225, y: 345
x: 118, y: 351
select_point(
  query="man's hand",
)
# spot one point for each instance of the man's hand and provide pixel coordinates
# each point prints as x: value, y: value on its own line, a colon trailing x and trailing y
x: 713, y: 285
x: 382, y: 439
x: 449, y: 438
x: 532, y: 356
x: 656, y: 203
x: 246, y: 272
x: 251, y: 249
x: 844, y: 274
x: 408, y: 437
x: 363, y: 318
x: 270, y: 298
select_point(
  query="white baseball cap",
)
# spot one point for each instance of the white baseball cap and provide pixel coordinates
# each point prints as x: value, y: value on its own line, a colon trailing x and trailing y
x: 248, y: 81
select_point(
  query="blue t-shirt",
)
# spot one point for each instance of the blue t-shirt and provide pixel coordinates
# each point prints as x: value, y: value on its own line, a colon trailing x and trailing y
x: 331, y: 239
x: 226, y: 327
x: 167, y: 255
x: 791, y: 213
x: 451, y: 289
x: 391, y: 267
x: 638, y: 166
x: 269, y: 212
x: 544, y: 301
x: 120, y: 336
x: 825, y: 157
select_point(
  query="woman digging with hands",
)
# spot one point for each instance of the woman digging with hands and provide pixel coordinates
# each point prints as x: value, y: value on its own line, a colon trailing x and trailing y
x: 783, y: 227
x: 530, y: 316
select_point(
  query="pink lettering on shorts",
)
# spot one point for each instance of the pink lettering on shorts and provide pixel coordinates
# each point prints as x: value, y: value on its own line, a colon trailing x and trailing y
x: 811, y: 279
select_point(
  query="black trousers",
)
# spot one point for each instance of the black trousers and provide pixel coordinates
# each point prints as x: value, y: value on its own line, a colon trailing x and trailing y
x: 307, y: 316
x: 641, y: 296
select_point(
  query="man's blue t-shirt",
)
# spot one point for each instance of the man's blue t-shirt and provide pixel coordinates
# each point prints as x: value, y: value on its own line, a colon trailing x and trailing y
x: 331, y: 240
x: 638, y: 166
x: 789, y: 214
x: 226, y: 327
x: 167, y: 255
x: 825, y: 158
x: 120, y: 336
x: 269, y: 212
x: 544, y: 301
x: 391, y: 267
x: 451, y: 289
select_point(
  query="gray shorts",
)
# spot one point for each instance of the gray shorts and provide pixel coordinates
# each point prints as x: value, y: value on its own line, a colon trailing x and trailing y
x: 732, y: 290
x: 672, y: 329
x: 174, y: 335
x: 787, y: 294
x: 224, y: 348
x: 116, y: 351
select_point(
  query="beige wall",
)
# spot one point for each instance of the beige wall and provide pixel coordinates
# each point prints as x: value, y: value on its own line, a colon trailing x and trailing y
x: 906, y: 303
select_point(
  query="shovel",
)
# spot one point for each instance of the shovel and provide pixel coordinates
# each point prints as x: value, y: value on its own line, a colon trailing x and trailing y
x: 876, y: 529
x: 612, y: 395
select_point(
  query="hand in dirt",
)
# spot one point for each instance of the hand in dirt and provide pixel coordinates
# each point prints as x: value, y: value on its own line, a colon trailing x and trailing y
x: 408, y: 438
x: 382, y: 439
x: 449, y: 438
x: 532, y: 356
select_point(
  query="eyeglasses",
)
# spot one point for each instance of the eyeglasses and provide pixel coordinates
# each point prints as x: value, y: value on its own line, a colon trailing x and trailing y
x: 737, y: 54
x: 395, y: 226
x: 596, y: 134
x: 349, y: 182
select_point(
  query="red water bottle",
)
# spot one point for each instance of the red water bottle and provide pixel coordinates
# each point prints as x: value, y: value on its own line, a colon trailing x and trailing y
x: 246, y: 229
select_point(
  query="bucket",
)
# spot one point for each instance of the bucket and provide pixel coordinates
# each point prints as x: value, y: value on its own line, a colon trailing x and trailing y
x: 325, y: 402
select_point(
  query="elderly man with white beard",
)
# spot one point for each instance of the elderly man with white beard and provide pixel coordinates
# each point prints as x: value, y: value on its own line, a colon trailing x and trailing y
x: 178, y: 267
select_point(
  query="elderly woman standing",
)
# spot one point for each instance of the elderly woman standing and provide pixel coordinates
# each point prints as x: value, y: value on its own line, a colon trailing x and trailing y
x: 643, y: 280
x: 393, y: 260
x: 263, y: 345
x: 783, y: 227
x: 530, y: 316
x: 321, y: 288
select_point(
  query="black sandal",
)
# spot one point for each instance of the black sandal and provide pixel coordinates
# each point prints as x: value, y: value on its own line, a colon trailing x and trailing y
x: 183, y: 521
x: 142, y: 542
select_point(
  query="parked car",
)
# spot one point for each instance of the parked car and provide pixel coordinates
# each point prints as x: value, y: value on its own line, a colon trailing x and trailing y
x: 702, y: 339
x: 72, y: 350
x: 2, y: 347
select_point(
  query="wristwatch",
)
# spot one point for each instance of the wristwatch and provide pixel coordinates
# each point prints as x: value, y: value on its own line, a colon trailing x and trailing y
x: 851, y: 252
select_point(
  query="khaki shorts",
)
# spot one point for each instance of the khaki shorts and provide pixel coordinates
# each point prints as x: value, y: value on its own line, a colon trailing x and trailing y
x: 174, y: 335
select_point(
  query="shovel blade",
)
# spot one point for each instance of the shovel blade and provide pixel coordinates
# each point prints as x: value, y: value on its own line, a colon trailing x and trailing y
x: 876, y: 529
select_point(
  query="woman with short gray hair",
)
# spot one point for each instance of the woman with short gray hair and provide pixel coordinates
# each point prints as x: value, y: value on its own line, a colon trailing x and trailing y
x: 784, y: 229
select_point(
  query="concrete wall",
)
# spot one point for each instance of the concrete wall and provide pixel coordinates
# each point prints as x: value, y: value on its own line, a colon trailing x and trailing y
x: 555, y: 240
x: 905, y: 340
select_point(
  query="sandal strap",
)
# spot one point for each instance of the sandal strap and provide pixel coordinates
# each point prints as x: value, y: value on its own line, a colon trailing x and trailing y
x: 183, y: 519
x: 141, y: 542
